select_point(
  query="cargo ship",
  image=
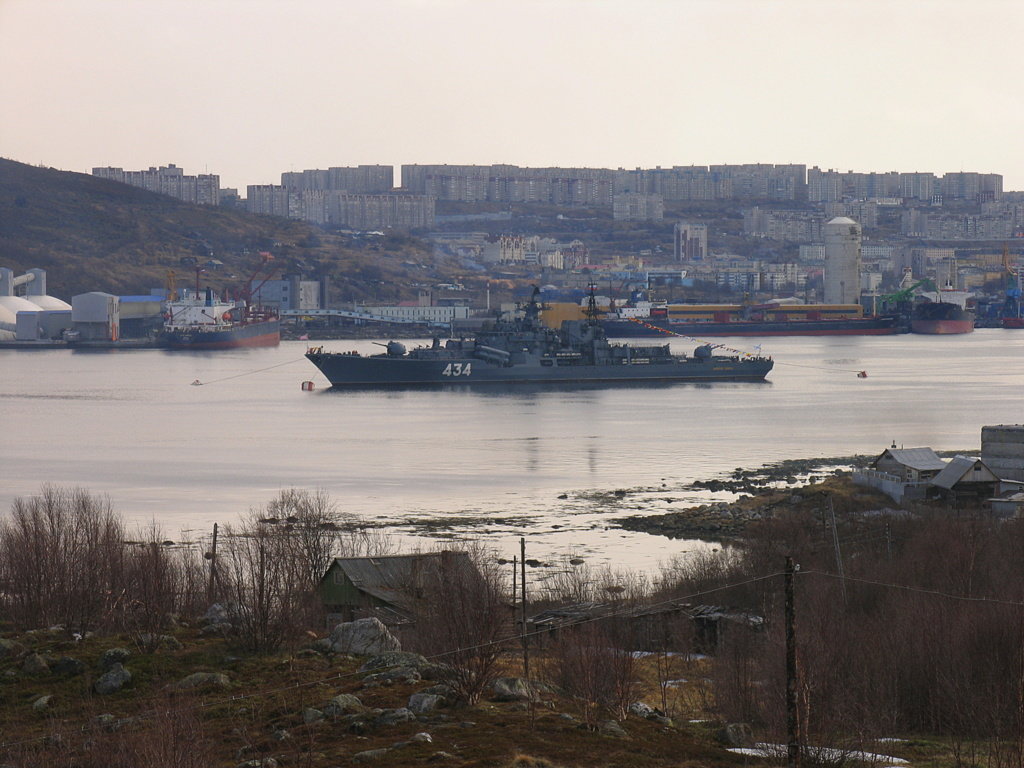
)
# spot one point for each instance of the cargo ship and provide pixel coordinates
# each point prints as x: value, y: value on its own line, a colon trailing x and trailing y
x: 523, y: 350
x: 648, y: 319
x: 211, y: 323
x: 942, y: 312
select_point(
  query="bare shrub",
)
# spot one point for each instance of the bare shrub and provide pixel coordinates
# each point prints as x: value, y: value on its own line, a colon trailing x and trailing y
x: 463, y: 619
x: 62, y: 559
x: 593, y: 664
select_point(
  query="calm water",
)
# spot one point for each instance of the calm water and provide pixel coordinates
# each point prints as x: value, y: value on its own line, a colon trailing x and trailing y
x: 130, y: 425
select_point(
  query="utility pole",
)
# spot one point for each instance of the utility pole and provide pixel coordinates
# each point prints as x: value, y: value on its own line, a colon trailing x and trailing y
x: 835, y: 544
x: 792, y: 716
x: 522, y: 582
x: 213, y: 567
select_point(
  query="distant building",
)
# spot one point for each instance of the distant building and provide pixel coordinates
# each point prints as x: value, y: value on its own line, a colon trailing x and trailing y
x: 203, y: 189
x: 342, y: 209
x: 359, y: 179
x: 633, y: 206
x: 689, y: 241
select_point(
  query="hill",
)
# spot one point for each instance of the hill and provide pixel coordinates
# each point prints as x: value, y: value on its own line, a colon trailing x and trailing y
x: 93, y: 234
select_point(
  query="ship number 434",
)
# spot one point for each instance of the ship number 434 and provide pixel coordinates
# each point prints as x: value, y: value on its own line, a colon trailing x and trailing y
x: 457, y: 369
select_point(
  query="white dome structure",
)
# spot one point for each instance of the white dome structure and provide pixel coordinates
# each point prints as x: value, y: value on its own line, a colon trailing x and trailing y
x: 10, y: 306
x: 48, y: 302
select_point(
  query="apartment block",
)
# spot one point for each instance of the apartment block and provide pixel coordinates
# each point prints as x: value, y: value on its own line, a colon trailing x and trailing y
x: 633, y: 206
x: 171, y: 180
x: 365, y: 179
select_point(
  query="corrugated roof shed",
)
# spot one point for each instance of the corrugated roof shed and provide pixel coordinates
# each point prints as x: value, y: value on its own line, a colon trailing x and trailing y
x: 921, y: 459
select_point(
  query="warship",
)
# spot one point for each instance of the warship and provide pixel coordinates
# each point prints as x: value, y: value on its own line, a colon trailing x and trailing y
x: 522, y: 350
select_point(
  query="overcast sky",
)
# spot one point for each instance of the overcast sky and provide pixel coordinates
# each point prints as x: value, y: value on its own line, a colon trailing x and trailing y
x: 250, y: 88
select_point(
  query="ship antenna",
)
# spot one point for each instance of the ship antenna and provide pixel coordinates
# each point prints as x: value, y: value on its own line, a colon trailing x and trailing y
x: 591, y: 311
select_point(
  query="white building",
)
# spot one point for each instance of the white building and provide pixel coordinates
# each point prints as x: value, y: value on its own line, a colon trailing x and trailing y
x: 842, y: 261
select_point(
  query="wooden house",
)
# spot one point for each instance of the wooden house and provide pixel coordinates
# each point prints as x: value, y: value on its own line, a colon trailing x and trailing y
x: 389, y: 587
x: 910, y: 465
x: 966, y: 479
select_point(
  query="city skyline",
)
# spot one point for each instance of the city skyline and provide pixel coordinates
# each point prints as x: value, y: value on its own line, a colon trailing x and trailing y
x: 250, y: 90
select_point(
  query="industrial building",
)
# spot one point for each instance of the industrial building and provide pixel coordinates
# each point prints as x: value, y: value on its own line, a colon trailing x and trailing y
x: 842, y: 261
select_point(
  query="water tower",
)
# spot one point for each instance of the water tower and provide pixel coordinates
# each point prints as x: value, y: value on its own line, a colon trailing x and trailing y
x: 842, y: 261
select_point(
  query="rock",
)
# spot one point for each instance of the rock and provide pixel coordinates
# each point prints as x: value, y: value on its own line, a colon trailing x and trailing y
x: 420, y: 703
x: 363, y: 637
x: 440, y: 756
x: 41, y: 703
x: 265, y: 762
x: 323, y: 645
x: 112, y: 680
x: 217, y: 629
x: 736, y: 735
x: 395, y: 716
x: 201, y: 680
x: 167, y: 642
x: 280, y: 735
x: 611, y: 728
x: 664, y: 721
x: 105, y: 721
x: 34, y: 664
x: 398, y: 674
x: 344, y: 704
x: 395, y: 659
x: 422, y: 738
x: 640, y: 709
x: 446, y: 692
x: 67, y: 666
x: 513, y: 689
x: 369, y: 756
x: 114, y: 656
x: 215, y: 614
x: 310, y: 716
x: 10, y: 649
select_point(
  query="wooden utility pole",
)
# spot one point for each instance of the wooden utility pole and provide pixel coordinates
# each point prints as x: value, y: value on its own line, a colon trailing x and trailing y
x: 792, y: 716
x: 522, y: 582
x: 213, y: 567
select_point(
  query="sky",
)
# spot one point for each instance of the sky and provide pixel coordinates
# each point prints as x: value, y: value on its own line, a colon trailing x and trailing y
x: 248, y: 89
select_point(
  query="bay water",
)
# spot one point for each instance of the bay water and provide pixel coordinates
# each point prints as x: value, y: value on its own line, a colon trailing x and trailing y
x: 490, y: 465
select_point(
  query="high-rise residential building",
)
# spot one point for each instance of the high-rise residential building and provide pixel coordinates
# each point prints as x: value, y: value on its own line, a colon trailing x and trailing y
x: 203, y: 189
x: 689, y: 241
x: 633, y: 206
x: 359, y: 179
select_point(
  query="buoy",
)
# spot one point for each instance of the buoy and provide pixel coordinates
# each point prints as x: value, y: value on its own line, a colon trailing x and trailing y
x: 307, y: 386
x: 862, y: 375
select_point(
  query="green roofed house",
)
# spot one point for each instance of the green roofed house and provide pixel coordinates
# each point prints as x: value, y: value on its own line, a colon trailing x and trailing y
x: 388, y: 587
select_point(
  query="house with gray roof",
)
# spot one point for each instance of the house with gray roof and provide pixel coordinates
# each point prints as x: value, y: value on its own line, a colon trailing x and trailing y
x: 389, y: 587
x: 966, y: 478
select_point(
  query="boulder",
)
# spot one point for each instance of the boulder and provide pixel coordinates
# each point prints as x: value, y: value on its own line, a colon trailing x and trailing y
x: 67, y: 666
x: 310, y: 716
x: 419, y: 703
x: 112, y: 680
x: 199, y: 680
x: 646, y: 711
x: 166, y: 642
x: 363, y: 637
x: 10, y: 649
x: 216, y: 614
x: 612, y: 728
x: 34, y: 664
x: 513, y: 689
x: 41, y: 703
x: 369, y: 756
x: 395, y: 716
x: 736, y: 735
x: 344, y: 704
x: 114, y: 656
x: 422, y: 738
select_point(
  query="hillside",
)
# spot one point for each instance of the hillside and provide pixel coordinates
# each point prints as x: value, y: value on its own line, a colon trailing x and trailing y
x: 93, y: 234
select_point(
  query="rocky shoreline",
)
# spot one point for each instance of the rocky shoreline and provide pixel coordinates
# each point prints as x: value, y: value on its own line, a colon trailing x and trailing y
x: 793, y: 485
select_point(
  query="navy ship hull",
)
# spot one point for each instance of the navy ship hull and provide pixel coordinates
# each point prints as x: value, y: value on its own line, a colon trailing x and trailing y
x: 350, y: 370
